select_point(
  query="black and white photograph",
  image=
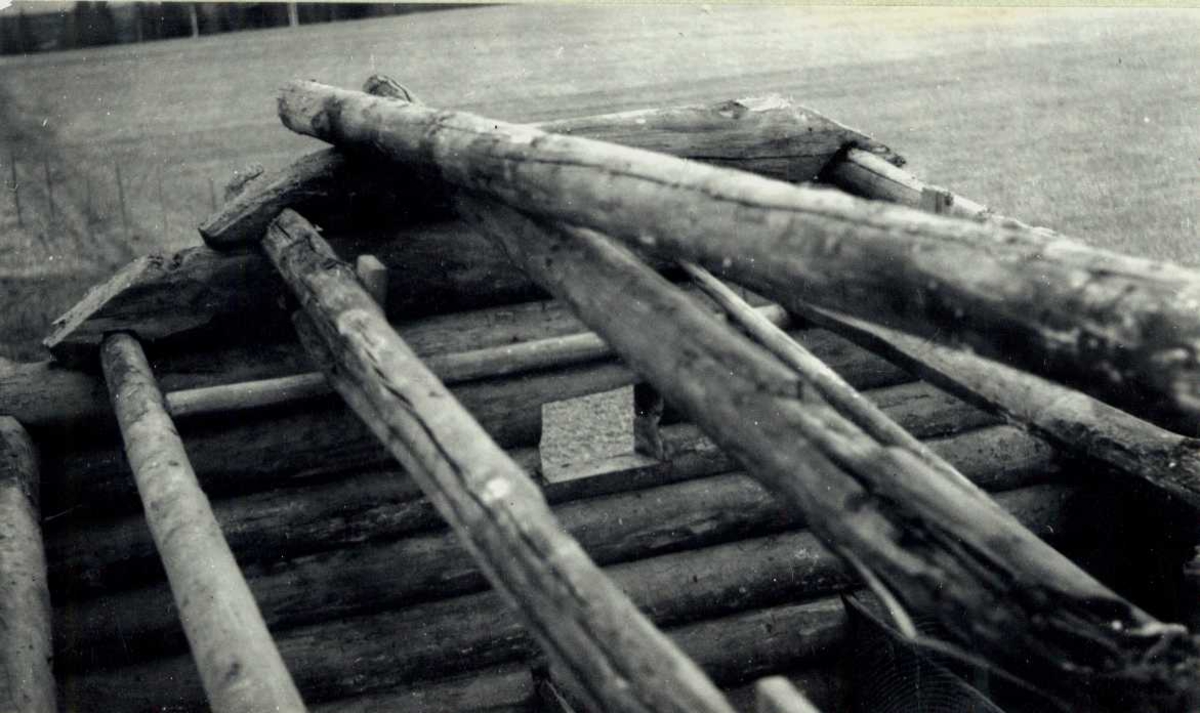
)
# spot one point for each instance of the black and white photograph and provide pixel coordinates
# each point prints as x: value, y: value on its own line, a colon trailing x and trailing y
x: 599, y: 357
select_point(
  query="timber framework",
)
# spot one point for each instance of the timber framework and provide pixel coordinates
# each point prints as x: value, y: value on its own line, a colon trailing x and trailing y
x: 705, y: 408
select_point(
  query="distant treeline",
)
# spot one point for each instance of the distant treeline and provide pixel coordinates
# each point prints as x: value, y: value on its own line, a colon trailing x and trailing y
x: 90, y: 24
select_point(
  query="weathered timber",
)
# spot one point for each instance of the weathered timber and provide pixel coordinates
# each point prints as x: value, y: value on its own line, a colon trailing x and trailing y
x: 26, y: 682
x: 359, y: 579
x: 445, y: 267
x: 902, y: 522
x: 576, y: 614
x: 1124, y: 329
x: 768, y: 135
x: 1070, y: 420
x: 238, y: 662
x: 776, y: 694
x: 467, y: 632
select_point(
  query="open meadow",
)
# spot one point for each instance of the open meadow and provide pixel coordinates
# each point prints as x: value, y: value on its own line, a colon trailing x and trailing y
x: 1079, y: 119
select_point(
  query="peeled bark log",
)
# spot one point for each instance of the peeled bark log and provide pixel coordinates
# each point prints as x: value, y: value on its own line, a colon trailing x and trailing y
x: 900, y: 521
x: 777, y: 695
x: 574, y: 611
x: 1124, y: 329
x: 237, y: 660
x: 26, y: 682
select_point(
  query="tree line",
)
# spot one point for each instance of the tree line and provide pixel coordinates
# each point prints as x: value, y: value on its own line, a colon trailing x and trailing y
x: 92, y: 24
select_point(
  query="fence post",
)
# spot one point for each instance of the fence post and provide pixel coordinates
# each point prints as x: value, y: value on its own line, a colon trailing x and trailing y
x: 49, y: 188
x: 121, y: 199
x: 212, y: 193
x: 162, y: 202
x: 16, y: 189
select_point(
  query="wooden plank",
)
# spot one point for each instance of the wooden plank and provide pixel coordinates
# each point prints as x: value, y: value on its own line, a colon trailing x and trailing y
x: 860, y: 495
x: 1069, y: 420
x: 768, y: 135
x: 576, y: 614
x: 1124, y: 329
x: 238, y: 662
x: 26, y: 681
x: 744, y: 581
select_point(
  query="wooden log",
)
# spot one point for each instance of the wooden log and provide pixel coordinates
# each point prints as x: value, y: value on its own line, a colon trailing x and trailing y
x: 839, y: 394
x: 1124, y: 329
x: 238, y: 662
x: 1070, y: 420
x: 467, y: 632
x: 767, y: 135
x: 901, y: 522
x: 776, y: 694
x: 821, y: 683
x: 576, y: 614
x: 26, y: 682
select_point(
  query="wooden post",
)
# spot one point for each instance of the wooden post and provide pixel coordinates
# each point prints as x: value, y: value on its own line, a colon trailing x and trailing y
x: 26, y: 681
x: 162, y: 201
x: 212, y: 193
x: 293, y: 11
x: 238, y: 662
x: 776, y: 694
x: 1124, y: 329
x: 16, y: 188
x: 374, y: 278
x: 902, y: 523
x: 576, y: 613
x: 121, y: 192
x: 49, y: 188
x: 193, y: 17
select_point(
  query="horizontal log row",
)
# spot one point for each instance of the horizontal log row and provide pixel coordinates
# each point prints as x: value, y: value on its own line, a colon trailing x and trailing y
x: 272, y: 447
x: 430, y: 640
x: 94, y: 555
x: 363, y: 576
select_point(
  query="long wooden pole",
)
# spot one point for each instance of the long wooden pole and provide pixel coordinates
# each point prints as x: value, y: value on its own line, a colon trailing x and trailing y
x: 26, y: 681
x: 904, y: 524
x: 572, y: 609
x: 238, y: 662
x: 1071, y: 421
x: 1124, y: 329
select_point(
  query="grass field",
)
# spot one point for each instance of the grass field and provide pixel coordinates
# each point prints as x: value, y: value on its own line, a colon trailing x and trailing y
x: 1083, y: 120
